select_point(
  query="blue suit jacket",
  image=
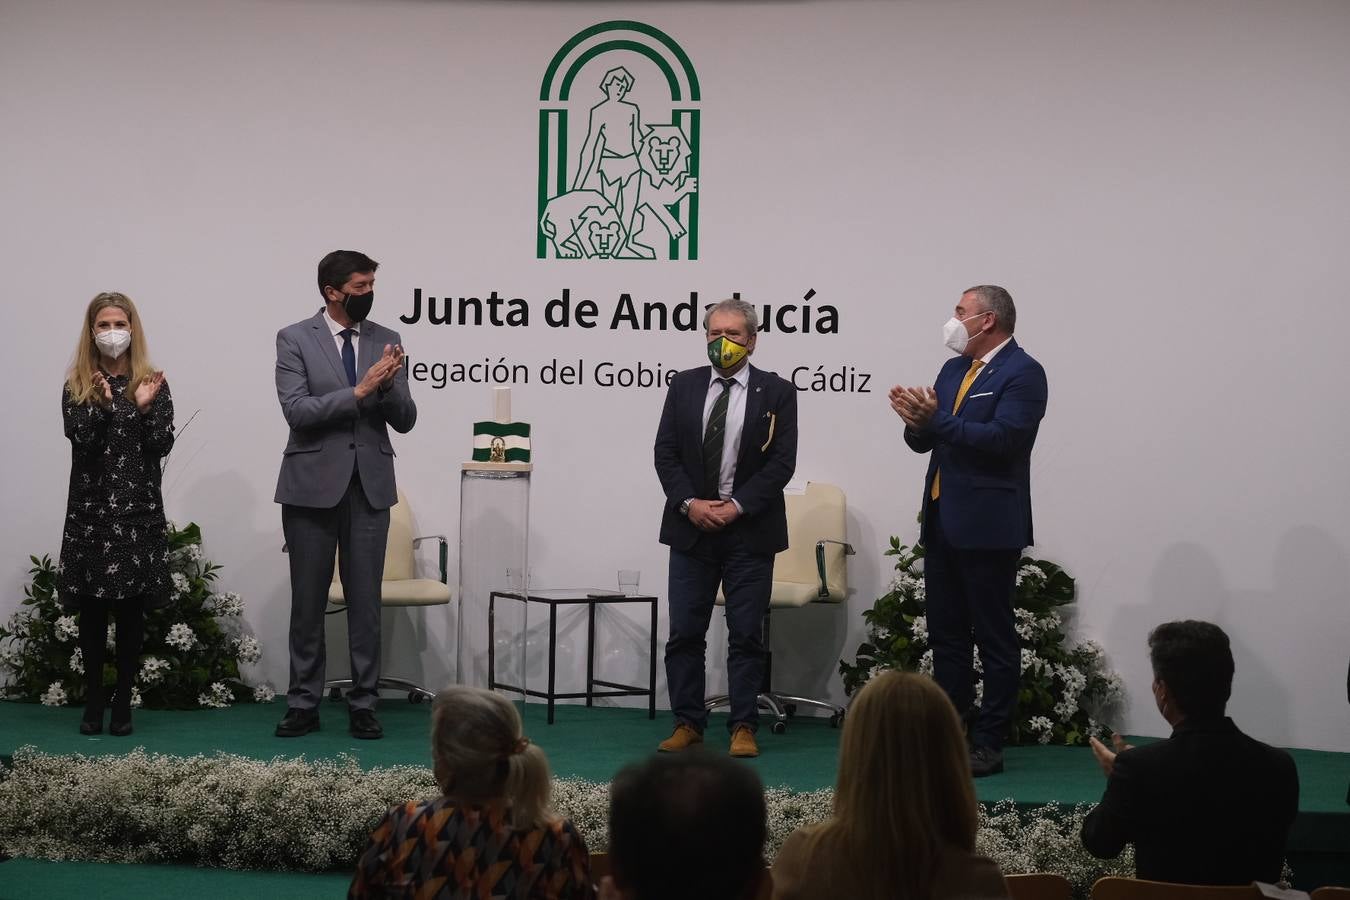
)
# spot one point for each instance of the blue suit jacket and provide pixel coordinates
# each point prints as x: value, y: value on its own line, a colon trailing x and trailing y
x: 768, y: 457
x: 984, y: 450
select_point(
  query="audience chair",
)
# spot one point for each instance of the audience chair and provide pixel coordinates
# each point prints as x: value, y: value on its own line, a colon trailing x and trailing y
x: 599, y: 868
x: 1331, y: 893
x: 1116, y: 888
x: 811, y: 570
x: 400, y: 587
x: 1038, y: 886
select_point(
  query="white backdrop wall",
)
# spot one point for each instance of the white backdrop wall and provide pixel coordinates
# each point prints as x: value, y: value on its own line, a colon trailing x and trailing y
x: 1162, y: 186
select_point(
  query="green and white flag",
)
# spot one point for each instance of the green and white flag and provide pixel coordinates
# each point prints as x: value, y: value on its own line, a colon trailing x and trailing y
x: 501, y: 442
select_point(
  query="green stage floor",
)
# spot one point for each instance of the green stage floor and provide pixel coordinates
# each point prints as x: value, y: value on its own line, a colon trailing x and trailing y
x: 591, y: 744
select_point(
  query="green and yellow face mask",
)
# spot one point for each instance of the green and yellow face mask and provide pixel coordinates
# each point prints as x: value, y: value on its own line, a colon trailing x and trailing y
x: 724, y: 353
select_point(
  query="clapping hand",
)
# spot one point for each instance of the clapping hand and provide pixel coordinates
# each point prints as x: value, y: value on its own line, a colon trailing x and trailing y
x: 101, y: 382
x: 914, y: 405
x: 1106, y: 758
x: 381, y: 373
x: 147, y: 390
x: 394, y: 355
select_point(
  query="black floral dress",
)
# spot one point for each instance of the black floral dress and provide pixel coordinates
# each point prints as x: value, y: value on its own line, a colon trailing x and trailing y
x: 115, y: 539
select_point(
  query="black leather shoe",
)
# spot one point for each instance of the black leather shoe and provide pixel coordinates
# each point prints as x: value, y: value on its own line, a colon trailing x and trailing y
x: 298, y: 722
x: 985, y: 761
x: 364, y: 725
x: 119, y: 729
x: 88, y: 727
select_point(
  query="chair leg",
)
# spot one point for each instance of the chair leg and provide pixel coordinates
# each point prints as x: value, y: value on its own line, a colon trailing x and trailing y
x: 416, y: 693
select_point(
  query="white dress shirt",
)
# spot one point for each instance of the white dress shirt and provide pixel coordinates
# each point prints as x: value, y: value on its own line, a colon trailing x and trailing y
x: 731, y: 439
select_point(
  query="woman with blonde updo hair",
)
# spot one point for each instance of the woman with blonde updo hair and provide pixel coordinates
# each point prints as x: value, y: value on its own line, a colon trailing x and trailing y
x: 114, y: 548
x: 904, y: 806
x: 491, y: 833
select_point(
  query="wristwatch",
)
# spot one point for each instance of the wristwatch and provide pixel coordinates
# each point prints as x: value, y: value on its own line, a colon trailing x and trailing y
x: 684, y: 507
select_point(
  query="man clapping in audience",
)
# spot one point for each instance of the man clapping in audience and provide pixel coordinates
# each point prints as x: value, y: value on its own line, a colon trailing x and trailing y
x: 1209, y: 805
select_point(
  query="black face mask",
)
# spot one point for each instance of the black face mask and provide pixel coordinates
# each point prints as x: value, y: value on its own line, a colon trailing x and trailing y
x: 358, y: 305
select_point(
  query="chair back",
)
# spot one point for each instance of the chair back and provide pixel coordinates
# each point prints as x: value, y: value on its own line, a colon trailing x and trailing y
x: 1117, y: 888
x: 1038, y: 886
x: 1331, y: 893
x: 820, y: 513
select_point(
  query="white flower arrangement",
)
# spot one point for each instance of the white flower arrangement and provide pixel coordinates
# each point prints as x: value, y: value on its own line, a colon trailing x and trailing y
x: 181, y: 637
x: 67, y: 629
x: 152, y: 670
x: 247, y: 649
x: 263, y: 693
x: 195, y: 643
x: 227, y: 604
x: 1066, y: 684
x: 217, y: 697
x: 55, y: 695
x: 234, y: 812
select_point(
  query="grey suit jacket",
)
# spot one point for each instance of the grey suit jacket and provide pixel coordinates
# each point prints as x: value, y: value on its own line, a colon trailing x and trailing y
x: 331, y: 432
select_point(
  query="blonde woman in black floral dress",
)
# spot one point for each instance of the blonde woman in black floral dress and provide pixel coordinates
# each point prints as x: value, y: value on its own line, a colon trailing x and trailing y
x: 114, y: 552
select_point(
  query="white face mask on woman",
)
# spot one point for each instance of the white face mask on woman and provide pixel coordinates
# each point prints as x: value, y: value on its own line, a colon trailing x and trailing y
x: 113, y: 343
x: 954, y: 333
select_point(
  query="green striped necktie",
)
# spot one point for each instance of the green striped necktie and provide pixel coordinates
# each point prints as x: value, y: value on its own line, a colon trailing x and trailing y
x: 713, y: 437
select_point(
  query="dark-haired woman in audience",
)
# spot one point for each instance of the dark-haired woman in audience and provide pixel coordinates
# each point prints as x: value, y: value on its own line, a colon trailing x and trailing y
x: 491, y: 832
x: 904, y: 807
x: 114, y: 551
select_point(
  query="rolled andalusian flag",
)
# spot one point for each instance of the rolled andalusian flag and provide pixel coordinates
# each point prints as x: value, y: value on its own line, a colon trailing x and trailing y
x: 501, y: 442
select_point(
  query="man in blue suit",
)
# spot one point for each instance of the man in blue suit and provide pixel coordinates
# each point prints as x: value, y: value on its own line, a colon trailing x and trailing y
x: 725, y: 449
x: 341, y: 385
x: 978, y: 422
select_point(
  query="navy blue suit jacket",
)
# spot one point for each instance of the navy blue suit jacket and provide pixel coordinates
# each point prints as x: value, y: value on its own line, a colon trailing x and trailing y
x: 767, y: 459
x: 984, y: 450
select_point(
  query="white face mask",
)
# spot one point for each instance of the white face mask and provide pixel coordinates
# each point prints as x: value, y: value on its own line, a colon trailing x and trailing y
x: 954, y: 333
x: 113, y: 343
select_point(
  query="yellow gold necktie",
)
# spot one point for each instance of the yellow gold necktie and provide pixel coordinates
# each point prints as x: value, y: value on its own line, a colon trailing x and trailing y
x: 966, y: 382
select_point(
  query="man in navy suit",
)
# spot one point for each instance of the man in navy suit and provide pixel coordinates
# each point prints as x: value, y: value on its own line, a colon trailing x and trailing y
x: 341, y: 385
x: 725, y: 449
x: 979, y: 423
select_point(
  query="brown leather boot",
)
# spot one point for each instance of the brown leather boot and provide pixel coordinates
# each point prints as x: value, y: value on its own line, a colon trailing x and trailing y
x: 683, y: 738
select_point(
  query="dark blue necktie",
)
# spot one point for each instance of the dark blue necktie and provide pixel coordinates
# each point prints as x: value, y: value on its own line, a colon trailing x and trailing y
x: 349, y: 355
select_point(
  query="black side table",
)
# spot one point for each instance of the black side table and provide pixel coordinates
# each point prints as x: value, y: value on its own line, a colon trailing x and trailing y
x: 572, y: 597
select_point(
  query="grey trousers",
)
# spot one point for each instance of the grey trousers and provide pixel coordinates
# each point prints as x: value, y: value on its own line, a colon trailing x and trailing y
x: 313, y: 536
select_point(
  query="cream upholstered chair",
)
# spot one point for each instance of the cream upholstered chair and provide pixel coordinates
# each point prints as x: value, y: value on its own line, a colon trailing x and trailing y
x: 400, y: 587
x: 810, y: 570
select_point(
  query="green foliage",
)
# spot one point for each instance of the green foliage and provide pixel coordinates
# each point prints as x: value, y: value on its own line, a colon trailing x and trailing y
x: 1065, y: 687
x: 190, y: 657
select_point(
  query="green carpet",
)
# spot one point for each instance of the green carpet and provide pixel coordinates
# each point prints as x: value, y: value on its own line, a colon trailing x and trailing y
x: 592, y: 744
x: 35, y: 879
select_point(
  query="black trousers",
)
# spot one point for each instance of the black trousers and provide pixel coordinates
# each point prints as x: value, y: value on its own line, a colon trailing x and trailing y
x: 129, y: 615
x: 970, y: 604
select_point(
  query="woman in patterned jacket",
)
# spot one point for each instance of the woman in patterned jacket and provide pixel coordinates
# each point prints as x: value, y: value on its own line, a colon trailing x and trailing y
x: 114, y: 553
x: 490, y: 833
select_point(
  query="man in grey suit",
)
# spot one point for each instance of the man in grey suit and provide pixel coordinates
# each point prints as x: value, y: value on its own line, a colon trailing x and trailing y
x: 341, y: 384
